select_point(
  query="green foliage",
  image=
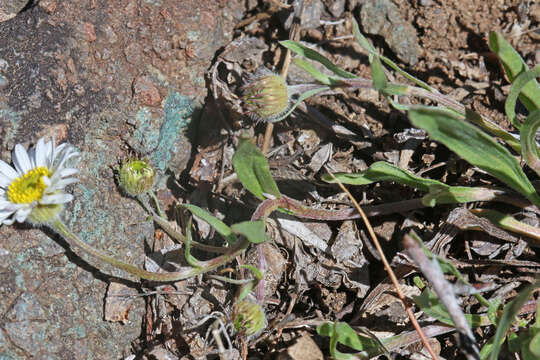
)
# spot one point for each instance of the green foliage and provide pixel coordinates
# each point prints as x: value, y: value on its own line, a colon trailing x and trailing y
x: 383, y: 171
x: 430, y: 304
x: 221, y: 228
x: 245, y: 289
x: 311, y: 54
x: 187, y: 251
x: 524, y: 80
x: 475, y: 146
x: 529, y: 147
x: 525, y: 340
x: 514, y: 65
x: 253, y: 171
x: 253, y: 231
x: 342, y: 333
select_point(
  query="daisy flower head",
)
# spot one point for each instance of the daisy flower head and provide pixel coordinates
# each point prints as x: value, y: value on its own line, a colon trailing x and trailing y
x: 33, y: 190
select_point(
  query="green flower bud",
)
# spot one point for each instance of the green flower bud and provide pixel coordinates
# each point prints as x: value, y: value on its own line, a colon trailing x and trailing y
x: 135, y: 177
x: 248, y: 318
x: 266, y: 97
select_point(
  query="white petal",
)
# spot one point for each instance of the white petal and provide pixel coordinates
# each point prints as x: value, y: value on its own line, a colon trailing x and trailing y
x: 40, y: 153
x: 56, y: 199
x: 22, y: 214
x: 46, y: 181
x: 8, y: 171
x: 8, y: 221
x: 64, y: 173
x: 21, y: 160
x: 60, y: 184
x: 65, y: 157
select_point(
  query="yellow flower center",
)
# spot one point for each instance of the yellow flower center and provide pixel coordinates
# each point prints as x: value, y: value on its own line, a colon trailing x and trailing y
x: 29, y: 187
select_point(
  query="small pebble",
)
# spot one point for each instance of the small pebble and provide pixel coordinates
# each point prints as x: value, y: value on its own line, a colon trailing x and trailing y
x: 3, y: 65
x: 4, y: 82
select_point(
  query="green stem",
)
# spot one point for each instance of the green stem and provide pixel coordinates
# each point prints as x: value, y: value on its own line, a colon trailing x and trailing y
x: 164, y: 224
x: 209, y: 265
x: 156, y: 201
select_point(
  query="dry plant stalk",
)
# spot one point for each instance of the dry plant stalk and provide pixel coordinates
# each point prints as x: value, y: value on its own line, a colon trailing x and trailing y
x: 388, y: 269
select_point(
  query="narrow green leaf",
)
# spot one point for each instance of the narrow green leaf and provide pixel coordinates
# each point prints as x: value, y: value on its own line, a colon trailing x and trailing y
x: 493, y: 129
x: 258, y: 274
x: 315, y: 56
x: 534, y: 346
x: 487, y: 349
x: 340, y: 332
x: 429, y: 303
x: 378, y: 75
x: 511, y: 310
x: 253, y: 170
x: 514, y: 65
x: 383, y: 171
x: 253, y: 231
x: 217, y: 224
x: 187, y: 252
x: 444, y: 194
x: 367, y: 45
x: 529, y: 148
x: 475, y: 146
x: 317, y: 75
x: 360, y: 38
x: 301, y: 98
x: 493, y: 309
x: 246, y: 288
x: 520, y: 82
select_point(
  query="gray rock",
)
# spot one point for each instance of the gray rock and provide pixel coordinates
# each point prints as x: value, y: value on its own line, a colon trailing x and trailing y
x: 74, y: 81
x: 382, y: 17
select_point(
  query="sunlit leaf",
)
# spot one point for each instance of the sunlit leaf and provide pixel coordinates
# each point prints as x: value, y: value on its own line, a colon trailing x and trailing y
x: 315, y: 56
x: 317, y: 75
x: 475, y: 146
x: 253, y: 170
x: 253, y: 231
x: 383, y: 171
x: 520, y: 82
x: 217, y: 224
x: 514, y: 65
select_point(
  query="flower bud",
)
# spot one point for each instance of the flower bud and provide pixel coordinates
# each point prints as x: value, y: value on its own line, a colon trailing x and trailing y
x: 266, y: 97
x: 135, y: 177
x: 248, y: 318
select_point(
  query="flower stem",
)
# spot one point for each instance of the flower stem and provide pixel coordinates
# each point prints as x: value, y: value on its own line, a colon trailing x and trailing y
x: 209, y: 265
x: 164, y: 224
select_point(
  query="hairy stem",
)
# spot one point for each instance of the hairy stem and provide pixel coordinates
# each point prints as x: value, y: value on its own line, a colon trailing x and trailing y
x: 209, y: 265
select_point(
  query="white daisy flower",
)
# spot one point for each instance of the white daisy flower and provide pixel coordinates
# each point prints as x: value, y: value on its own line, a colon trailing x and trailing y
x: 34, y: 189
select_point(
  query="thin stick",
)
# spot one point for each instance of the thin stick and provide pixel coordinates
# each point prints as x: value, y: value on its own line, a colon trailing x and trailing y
x: 388, y: 269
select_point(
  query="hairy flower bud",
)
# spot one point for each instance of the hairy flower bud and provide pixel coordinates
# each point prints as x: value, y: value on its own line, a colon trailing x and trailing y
x: 135, y: 177
x: 266, y: 97
x: 248, y: 317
